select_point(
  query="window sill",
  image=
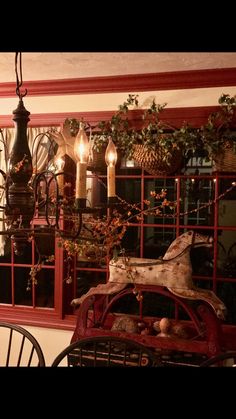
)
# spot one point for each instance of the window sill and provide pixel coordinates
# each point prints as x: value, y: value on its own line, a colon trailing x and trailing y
x: 39, y: 319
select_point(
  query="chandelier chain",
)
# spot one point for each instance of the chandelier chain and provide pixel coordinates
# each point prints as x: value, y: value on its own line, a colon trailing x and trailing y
x: 19, y: 80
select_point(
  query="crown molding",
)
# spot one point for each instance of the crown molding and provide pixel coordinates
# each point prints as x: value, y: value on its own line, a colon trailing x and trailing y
x: 175, y: 80
x: 197, y: 116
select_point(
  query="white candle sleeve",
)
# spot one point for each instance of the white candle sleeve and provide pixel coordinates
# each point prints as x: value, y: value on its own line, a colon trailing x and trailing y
x: 60, y: 182
x: 80, y: 188
x: 111, y: 185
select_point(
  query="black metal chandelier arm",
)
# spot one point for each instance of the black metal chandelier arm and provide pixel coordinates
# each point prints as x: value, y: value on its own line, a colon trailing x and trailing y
x: 48, y: 202
x: 65, y: 234
x: 47, y: 216
x: 35, y: 184
x: 19, y: 81
x: 7, y: 184
x: 39, y: 144
x: 3, y: 174
x: 45, y: 203
x: 10, y: 232
x: 4, y: 142
x: 4, y: 187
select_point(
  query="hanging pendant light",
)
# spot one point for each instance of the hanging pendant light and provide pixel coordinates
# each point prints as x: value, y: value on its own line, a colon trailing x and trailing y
x: 28, y: 194
x: 20, y: 202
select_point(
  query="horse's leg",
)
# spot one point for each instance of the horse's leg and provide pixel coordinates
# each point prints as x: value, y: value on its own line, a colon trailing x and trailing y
x: 108, y: 288
x: 205, y: 295
x: 220, y: 308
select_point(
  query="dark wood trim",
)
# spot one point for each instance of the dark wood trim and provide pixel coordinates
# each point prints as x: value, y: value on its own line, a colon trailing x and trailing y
x: 176, y: 116
x: 190, y: 79
x: 33, y: 318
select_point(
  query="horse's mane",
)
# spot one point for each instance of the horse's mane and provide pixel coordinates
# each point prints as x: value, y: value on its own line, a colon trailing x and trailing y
x: 178, y: 246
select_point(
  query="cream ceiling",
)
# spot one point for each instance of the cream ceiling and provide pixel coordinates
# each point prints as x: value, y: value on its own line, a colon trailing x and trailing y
x: 63, y: 65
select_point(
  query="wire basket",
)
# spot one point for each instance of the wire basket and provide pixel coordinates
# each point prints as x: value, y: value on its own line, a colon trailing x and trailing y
x: 97, y: 162
x: 154, y: 161
x: 225, y: 160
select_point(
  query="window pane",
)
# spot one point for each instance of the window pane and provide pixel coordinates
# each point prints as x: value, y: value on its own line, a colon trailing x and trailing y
x: 6, y: 249
x: 131, y: 242
x: 157, y: 240
x: 195, y: 197
x: 226, y: 258
x: 44, y: 290
x: 26, y: 257
x: 23, y: 293
x: 87, y: 279
x: 157, y: 185
x: 226, y: 291
x: 5, y: 285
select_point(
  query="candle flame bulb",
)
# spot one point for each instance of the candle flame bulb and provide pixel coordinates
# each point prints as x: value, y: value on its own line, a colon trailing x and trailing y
x: 81, y: 145
x: 111, y: 154
x: 81, y: 151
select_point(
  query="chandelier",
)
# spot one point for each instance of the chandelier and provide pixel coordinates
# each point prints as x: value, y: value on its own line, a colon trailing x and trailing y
x: 28, y: 191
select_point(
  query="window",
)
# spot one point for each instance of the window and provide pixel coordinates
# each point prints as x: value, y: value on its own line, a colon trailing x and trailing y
x: 47, y: 300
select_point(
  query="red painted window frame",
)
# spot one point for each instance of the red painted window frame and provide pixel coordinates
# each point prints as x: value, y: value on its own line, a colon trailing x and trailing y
x: 195, y: 116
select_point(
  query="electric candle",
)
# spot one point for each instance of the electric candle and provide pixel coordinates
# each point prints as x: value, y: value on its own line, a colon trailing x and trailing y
x: 81, y: 151
x: 111, y: 159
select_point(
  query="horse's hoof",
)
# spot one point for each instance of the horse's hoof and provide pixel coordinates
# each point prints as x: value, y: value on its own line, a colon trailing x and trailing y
x: 75, y: 302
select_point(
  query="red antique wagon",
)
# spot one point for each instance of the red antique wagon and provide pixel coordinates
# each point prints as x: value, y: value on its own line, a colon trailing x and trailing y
x: 181, y: 331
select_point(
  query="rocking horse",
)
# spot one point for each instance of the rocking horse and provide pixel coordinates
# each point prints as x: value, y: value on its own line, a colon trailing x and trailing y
x: 173, y: 271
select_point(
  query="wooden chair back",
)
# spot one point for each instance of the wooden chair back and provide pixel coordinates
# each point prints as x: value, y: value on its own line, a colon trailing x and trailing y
x: 18, y: 347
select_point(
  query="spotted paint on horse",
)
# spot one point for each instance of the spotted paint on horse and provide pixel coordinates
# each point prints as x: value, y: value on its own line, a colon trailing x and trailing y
x: 174, y: 271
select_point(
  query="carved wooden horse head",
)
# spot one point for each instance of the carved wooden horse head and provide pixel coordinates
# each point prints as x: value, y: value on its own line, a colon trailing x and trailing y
x: 186, y: 241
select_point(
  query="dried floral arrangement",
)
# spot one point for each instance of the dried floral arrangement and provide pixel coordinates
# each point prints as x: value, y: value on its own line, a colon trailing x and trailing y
x: 101, y: 238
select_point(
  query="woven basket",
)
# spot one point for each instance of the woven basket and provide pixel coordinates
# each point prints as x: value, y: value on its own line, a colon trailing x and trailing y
x: 98, y: 164
x: 225, y: 161
x: 153, y: 162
